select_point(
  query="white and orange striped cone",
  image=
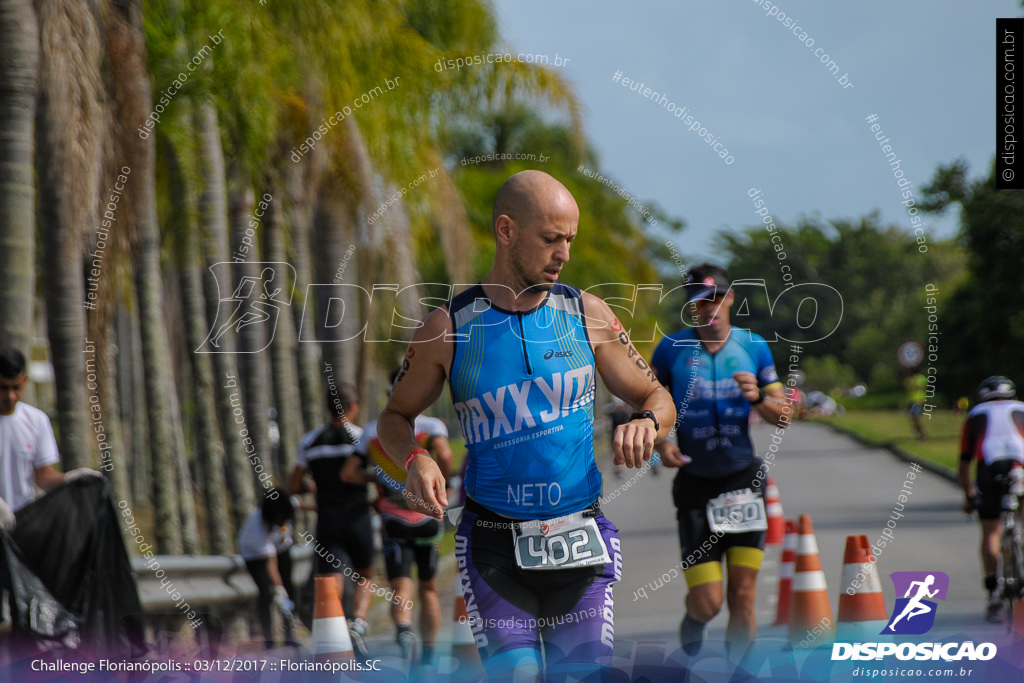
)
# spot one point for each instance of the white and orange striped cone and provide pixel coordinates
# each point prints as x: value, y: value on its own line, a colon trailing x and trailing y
x: 776, y: 517
x: 464, y: 648
x: 331, y: 641
x: 786, y: 575
x: 862, y: 613
x: 812, y: 610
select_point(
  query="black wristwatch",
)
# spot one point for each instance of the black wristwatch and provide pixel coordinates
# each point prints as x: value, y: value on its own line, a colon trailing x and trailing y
x: 760, y: 397
x: 646, y: 414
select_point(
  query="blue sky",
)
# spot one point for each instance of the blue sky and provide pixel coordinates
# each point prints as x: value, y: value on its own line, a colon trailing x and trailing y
x: 926, y: 69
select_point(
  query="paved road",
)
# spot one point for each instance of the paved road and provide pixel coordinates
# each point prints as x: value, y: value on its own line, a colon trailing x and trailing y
x: 847, y: 489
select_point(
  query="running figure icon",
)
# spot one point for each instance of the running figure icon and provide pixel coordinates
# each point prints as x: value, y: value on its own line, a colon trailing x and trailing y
x: 915, y: 607
x: 243, y: 294
x: 248, y: 301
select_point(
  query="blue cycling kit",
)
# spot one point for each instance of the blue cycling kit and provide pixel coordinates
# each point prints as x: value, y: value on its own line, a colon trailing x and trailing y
x: 712, y: 415
x: 523, y: 387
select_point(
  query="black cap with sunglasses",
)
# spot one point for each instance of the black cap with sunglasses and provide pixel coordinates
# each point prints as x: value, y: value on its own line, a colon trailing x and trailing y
x: 706, y: 281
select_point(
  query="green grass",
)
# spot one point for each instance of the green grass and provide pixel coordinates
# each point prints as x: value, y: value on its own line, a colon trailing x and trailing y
x: 894, y: 426
x: 458, y: 445
x: 873, y: 401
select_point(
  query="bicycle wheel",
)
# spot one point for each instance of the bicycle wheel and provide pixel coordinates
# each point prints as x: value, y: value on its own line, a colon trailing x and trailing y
x: 1007, y: 578
x: 1012, y: 570
x: 1018, y: 560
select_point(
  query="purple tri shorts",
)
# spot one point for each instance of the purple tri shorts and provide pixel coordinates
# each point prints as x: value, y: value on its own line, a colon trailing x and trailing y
x: 513, y: 610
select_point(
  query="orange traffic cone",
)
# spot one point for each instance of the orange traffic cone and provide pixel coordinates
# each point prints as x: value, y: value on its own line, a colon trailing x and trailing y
x: 812, y: 611
x: 862, y: 613
x: 776, y: 518
x: 331, y: 641
x: 464, y: 648
x: 786, y: 575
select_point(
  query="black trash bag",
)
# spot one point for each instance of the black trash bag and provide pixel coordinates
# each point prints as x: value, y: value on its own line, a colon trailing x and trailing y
x: 41, y: 622
x: 69, y: 575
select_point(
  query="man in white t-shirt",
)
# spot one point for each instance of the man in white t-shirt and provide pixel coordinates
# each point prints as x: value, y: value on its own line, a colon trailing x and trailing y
x: 28, y: 449
x: 264, y: 542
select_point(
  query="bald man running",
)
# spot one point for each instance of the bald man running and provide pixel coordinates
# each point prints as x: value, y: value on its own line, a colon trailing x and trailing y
x: 537, y: 558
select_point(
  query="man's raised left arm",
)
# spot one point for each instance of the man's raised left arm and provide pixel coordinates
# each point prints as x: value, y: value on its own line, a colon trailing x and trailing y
x: 628, y: 376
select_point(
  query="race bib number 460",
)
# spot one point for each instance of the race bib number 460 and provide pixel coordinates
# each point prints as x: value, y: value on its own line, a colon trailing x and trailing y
x: 737, y: 511
x: 561, y: 543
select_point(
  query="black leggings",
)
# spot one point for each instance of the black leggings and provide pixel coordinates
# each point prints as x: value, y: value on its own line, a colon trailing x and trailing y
x: 258, y: 571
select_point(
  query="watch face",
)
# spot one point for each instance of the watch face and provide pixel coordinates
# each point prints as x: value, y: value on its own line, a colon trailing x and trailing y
x: 647, y: 414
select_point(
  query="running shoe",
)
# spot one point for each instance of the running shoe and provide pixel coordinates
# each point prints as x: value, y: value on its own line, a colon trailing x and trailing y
x: 691, y: 635
x: 406, y: 640
x: 357, y: 631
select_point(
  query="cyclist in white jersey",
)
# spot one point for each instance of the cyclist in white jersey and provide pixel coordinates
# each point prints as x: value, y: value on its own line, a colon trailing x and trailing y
x: 993, y: 437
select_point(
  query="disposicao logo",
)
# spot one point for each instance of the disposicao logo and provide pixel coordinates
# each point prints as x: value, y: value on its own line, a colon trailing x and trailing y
x: 914, y: 614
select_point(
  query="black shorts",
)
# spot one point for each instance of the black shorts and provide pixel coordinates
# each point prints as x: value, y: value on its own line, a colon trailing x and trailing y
x: 406, y: 543
x: 697, y: 543
x: 991, y: 491
x: 347, y: 535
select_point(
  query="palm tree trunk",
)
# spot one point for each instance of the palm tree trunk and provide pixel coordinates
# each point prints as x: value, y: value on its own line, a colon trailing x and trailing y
x: 133, y: 102
x: 118, y: 461
x: 214, y: 225
x: 209, y: 449
x: 386, y: 253
x: 333, y: 230
x: 66, y: 330
x: 155, y: 352
x: 300, y: 224
x: 252, y: 339
x: 282, y: 350
x: 129, y: 103
x: 69, y: 122
x: 186, y: 500
x: 19, y: 84
x: 132, y: 391
x: 454, y: 229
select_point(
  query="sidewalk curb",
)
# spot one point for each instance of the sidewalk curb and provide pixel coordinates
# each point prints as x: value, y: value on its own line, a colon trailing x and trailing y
x: 905, y: 455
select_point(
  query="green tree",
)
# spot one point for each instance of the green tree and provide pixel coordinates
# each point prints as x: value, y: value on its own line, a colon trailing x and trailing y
x: 877, y: 274
x: 981, y: 320
x: 827, y: 374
